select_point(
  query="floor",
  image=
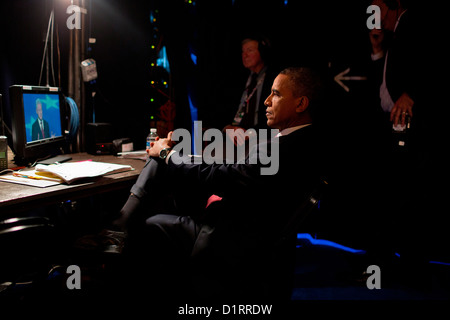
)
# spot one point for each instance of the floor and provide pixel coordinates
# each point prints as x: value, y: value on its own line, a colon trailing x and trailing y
x: 332, y: 272
x: 328, y: 277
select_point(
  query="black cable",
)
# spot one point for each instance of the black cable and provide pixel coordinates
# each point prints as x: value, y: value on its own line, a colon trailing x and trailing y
x: 51, y: 49
x: 74, y: 118
x: 45, y: 47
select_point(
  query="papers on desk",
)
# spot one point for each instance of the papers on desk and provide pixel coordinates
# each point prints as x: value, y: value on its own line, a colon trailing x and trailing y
x: 72, y: 171
x: 26, y: 179
x: 49, y: 175
x: 140, y: 155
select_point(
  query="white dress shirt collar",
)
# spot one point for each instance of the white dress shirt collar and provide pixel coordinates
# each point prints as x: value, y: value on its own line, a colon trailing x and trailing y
x: 287, y: 131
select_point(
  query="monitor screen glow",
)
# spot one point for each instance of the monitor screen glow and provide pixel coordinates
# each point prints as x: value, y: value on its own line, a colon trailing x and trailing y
x: 46, y: 107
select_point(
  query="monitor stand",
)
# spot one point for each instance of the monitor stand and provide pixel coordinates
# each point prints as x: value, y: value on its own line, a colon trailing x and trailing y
x: 57, y: 159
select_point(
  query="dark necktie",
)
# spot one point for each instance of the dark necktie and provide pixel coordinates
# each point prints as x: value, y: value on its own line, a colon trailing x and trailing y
x: 42, y: 129
x: 248, y: 120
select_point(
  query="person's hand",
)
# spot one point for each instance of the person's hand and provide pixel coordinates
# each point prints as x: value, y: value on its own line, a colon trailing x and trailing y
x: 376, y: 37
x: 402, y: 107
x: 159, y: 144
x: 236, y: 134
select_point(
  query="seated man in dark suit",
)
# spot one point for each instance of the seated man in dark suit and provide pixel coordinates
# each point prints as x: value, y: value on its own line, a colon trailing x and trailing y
x: 227, y: 249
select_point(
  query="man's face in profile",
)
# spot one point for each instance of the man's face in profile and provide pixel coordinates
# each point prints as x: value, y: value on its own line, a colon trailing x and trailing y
x: 281, y: 104
x: 39, y: 110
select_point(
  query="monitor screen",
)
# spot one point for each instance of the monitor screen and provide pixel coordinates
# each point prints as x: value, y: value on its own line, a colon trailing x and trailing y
x: 38, y: 122
x: 42, y: 116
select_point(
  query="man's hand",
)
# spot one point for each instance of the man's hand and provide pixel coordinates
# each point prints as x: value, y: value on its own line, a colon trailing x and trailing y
x: 236, y: 134
x: 159, y: 144
x: 402, y: 107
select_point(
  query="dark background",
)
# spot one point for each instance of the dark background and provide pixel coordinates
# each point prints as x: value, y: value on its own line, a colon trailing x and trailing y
x: 319, y: 33
x: 329, y: 35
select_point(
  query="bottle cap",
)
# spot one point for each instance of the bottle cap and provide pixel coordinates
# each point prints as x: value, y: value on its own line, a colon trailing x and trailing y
x: 153, y: 130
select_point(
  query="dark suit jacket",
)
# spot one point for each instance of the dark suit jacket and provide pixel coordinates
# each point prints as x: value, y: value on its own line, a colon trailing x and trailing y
x: 234, y: 238
x: 403, y: 74
x: 255, y: 207
x: 36, y: 133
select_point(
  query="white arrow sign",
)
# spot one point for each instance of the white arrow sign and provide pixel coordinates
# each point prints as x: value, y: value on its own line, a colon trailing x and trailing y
x: 341, y: 76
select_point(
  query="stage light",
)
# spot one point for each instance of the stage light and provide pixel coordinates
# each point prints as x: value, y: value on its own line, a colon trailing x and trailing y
x: 163, y: 60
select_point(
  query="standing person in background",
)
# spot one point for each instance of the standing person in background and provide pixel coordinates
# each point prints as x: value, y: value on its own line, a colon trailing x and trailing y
x: 404, y: 94
x: 396, y: 45
x: 251, y: 112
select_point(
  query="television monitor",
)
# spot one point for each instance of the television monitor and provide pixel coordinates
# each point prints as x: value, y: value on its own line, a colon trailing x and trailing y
x: 38, y: 122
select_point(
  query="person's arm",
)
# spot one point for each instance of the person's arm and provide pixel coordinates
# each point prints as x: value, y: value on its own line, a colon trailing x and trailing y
x: 236, y: 134
x: 409, y: 75
x: 218, y: 177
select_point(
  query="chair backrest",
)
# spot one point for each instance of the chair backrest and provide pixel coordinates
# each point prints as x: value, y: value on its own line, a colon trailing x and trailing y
x: 305, y: 208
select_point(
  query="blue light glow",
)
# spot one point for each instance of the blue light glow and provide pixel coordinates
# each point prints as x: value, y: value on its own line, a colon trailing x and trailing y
x: 194, y: 58
x: 441, y: 263
x: 327, y: 243
x: 194, y: 117
x: 162, y: 60
x: 193, y: 109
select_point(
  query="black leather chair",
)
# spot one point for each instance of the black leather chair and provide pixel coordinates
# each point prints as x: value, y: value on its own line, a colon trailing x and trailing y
x: 283, y: 251
x: 271, y: 278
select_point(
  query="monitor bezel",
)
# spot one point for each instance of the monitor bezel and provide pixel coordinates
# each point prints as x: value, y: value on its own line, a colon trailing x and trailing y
x: 34, y: 150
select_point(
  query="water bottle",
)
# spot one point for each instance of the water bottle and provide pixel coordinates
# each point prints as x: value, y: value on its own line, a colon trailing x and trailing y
x: 151, y: 137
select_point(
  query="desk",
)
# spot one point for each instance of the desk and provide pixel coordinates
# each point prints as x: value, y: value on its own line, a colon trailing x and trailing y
x: 16, y: 198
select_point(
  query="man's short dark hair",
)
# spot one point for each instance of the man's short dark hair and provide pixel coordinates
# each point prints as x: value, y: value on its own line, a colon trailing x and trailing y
x: 305, y: 82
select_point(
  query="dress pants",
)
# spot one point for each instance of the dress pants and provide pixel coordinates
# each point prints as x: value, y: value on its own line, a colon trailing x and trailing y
x: 193, y: 252
x: 161, y: 232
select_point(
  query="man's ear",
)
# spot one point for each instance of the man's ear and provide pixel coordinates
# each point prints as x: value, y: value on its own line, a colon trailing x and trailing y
x: 303, y: 103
